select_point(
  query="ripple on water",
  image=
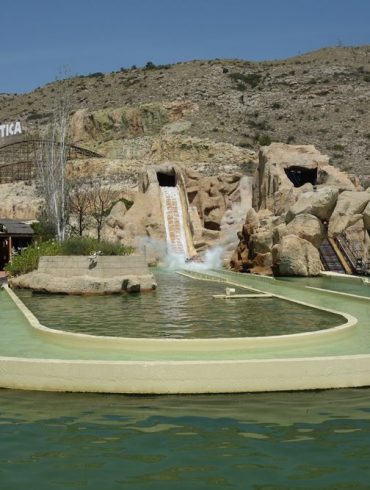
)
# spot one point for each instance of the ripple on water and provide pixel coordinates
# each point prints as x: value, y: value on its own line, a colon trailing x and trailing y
x: 180, y: 308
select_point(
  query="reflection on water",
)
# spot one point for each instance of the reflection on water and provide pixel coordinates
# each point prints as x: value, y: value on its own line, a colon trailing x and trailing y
x: 180, y: 308
x: 270, y: 441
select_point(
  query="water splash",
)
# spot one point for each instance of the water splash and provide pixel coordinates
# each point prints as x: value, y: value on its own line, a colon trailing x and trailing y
x: 212, y: 259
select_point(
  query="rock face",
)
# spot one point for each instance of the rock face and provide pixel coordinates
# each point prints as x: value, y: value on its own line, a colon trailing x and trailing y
x: 152, y: 133
x: 128, y: 122
x: 19, y: 201
x: 294, y: 256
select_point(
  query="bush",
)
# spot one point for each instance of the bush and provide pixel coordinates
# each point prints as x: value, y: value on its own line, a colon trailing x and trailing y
x: 252, y: 79
x: 86, y: 245
x: 150, y: 66
x: 28, y: 260
x: 264, y: 140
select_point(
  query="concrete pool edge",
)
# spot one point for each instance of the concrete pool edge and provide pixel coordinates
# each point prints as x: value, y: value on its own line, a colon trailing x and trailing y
x: 170, y: 345
x: 185, y: 377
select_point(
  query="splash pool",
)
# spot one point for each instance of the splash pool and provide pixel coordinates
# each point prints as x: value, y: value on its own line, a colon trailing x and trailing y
x: 339, y: 356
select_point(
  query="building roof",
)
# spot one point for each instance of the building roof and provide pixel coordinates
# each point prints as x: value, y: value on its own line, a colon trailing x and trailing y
x: 15, y: 227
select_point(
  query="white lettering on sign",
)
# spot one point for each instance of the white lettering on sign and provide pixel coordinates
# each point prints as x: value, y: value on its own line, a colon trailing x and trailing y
x: 10, y: 129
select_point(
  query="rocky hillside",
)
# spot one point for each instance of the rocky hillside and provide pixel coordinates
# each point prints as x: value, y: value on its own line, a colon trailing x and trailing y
x: 319, y: 98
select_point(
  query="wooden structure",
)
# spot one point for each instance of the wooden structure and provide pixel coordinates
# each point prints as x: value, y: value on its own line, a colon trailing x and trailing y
x: 18, y: 159
x: 14, y: 236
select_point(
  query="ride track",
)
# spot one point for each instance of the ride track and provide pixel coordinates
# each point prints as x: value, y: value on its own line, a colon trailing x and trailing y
x: 18, y: 158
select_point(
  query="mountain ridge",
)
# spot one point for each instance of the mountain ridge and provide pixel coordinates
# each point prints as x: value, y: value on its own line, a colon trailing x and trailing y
x: 320, y: 98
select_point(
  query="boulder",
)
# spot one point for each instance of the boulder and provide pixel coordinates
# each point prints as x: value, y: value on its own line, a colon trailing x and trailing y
x: 308, y: 227
x: 349, y: 204
x: 320, y: 203
x: 294, y: 256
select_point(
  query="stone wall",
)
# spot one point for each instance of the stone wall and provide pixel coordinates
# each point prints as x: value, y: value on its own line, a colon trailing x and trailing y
x: 82, y: 275
x: 103, y: 267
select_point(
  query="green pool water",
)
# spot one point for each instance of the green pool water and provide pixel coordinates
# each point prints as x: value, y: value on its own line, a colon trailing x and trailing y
x: 180, y: 308
x: 18, y: 339
x: 315, y: 440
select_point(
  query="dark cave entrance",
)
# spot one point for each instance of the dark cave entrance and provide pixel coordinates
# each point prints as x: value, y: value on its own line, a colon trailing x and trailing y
x: 301, y: 175
x: 166, y: 180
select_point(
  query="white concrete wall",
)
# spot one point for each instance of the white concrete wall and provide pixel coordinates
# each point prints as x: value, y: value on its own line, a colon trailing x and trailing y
x: 106, y: 266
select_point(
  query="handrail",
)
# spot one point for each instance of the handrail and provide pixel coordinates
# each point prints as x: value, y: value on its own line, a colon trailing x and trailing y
x: 354, y: 258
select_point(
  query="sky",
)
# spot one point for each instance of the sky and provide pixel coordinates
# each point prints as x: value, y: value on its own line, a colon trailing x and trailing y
x: 39, y: 38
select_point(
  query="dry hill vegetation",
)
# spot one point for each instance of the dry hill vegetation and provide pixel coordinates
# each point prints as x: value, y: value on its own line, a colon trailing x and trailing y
x: 319, y: 98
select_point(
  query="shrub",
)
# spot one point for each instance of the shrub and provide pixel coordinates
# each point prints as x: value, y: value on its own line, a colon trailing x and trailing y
x: 252, y: 79
x: 150, y: 65
x: 264, y: 140
x: 28, y: 260
x: 97, y: 74
x: 87, y: 245
x: 338, y: 147
x: 128, y: 203
x: 276, y: 105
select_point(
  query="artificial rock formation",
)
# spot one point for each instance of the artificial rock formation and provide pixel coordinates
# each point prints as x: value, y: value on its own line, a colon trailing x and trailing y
x: 287, y: 171
x: 298, y: 195
x: 214, y: 209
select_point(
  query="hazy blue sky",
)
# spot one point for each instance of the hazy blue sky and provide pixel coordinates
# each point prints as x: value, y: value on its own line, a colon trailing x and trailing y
x: 40, y: 36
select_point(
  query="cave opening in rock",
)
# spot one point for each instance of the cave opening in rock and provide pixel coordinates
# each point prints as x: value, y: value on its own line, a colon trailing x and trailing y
x: 301, y: 175
x: 166, y: 180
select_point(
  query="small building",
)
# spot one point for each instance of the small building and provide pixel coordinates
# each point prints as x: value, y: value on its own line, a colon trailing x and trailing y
x: 14, y: 236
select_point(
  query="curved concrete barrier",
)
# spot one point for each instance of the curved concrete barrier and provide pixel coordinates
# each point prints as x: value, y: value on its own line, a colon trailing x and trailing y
x: 187, y: 345
x: 187, y: 376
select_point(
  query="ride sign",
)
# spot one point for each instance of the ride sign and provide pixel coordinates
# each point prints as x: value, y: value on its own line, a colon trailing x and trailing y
x: 10, y: 129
